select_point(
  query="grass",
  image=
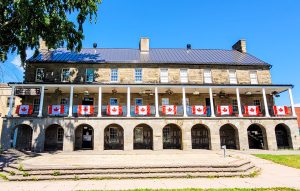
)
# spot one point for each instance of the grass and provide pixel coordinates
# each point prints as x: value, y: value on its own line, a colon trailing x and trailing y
x: 232, y: 189
x: 287, y: 160
x: 3, y: 176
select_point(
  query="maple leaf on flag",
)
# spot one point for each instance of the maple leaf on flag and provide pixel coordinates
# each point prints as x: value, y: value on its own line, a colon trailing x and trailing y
x: 170, y: 109
x: 199, y: 109
x: 55, y: 109
x: 143, y: 109
x: 24, y: 109
x: 281, y: 110
x: 114, y: 109
x: 224, y: 110
x: 85, y: 109
x: 252, y: 110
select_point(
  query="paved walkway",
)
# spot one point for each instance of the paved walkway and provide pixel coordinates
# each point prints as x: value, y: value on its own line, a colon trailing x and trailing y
x: 272, y: 175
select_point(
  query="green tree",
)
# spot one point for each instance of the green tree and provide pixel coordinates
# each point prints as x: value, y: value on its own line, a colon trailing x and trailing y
x: 24, y: 22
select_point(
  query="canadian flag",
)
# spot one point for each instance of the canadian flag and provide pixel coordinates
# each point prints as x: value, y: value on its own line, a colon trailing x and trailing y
x: 85, y: 109
x: 114, y: 110
x: 142, y: 110
x: 225, y: 110
x: 56, y: 109
x: 281, y: 110
x: 24, y: 109
x: 198, y: 110
x: 252, y: 110
x: 169, y: 109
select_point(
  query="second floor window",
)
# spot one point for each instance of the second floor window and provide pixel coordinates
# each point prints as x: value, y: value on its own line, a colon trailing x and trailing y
x: 8, y: 100
x: 207, y: 76
x: 164, y: 77
x: 114, y: 75
x: 164, y: 101
x: 235, y: 106
x: 253, y: 77
x: 232, y: 77
x: 36, y: 105
x: 64, y: 101
x: 183, y: 75
x: 256, y: 102
x: 90, y: 75
x: 65, y: 76
x: 138, y: 75
x: 40, y: 75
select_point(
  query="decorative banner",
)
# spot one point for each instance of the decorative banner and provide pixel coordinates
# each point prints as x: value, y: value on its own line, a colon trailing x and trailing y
x: 24, y: 109
x: 225, y: 110
x: 252, y: 110
x: 169, y: 109
x: 142, y: 110
x: 198, y: 110
x: 85, y: 109
x: 56, y: 109
x: 281, y: 110
x: 114, y: 110
x: 27, y: 91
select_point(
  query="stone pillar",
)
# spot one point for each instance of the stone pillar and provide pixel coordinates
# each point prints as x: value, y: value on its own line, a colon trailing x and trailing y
x: 239, y: 102
x: 184, y: 102
x: 186, y: 136
x: 292, y: 102
x: 157, y: 135
x: 265, y: 103
x: 71, y: 101
x: 215, y: 140
x: 38, y: 136
x: 156, y: 103
x: 241, y: 127
x: 11, y: 99
x: 128, y: 136
x: 98, y: 136
x: 271, y: 136
x: 99, y: 102
x: 41, y: 102
x: 128, y: 102
x: 212, y: 107
x: 69, y: 136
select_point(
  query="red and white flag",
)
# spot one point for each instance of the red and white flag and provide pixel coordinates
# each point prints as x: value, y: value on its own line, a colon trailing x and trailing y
x: 169, y: 109
x: 252, y: 110
x: 56, y: 109
x: 114, y: 110
x: 142, y: 109
x: 198, y: 110
x: 24, y: 109
x: 85, y: 109
x: 225, y: 110
x: 281, y: 110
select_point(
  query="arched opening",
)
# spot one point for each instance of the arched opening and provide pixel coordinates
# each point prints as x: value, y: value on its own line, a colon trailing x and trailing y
x: 21, y: 137
x: 283, y: 137
x: 229, y: 137
x: 84, y: 137
x: 113, y: 137
x: 142, y: 137
x: 200, y: 137
x: 172, y: 137
x: 257, y: 138
x: 54, y: 138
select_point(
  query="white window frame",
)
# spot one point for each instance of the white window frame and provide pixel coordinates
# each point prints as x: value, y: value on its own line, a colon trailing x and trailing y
x: 165, y: 98
x: 113, y: 135
x: 232, y: 79
x: 36, y: 105
x: 59, y: 130
x: 111, y: 74
x: 138, y: 75
x: 36, y: 72
x: 252, y: 80
x: 86, y: 74
x: 207, y: 79
x: 62, y: 75
x: 164, y: 77
x: 184, y: 78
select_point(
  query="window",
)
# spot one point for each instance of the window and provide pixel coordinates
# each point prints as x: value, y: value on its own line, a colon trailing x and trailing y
x: 164, y: 75
x: 253, y: 77
x: 207, y: 76
x: 13, y: 102
x: 165, y: 101
x: 138, y: 75
x: 60, y: 135
x: 166, y: 135
x: 40, y: 75
x: 36, y: 105
x: 235, y: 106
x: 64, y: 101
x: 138, y: 101
x: 113, y: 135
x: 256, y: 102
x: 65, y: 76
x: 232, y: 77
x: 90, y: 75
x: 183, y: 75
x: 113, y: 101
x: 114, y: 75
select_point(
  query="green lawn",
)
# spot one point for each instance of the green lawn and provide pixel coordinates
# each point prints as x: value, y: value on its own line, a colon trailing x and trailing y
x: 288, y: 160
x: 234, y: 189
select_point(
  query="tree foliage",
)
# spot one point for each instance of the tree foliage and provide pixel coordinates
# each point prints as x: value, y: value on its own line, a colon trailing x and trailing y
x: 24, y: 22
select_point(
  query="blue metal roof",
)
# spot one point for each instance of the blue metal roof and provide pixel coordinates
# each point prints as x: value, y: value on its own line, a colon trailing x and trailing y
x: 155, y: 55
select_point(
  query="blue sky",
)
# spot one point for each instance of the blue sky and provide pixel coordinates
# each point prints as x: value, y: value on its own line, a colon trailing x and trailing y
x: 271, y: 28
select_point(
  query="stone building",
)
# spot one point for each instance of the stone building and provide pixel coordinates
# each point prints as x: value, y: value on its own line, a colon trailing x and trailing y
x: 149, y: 98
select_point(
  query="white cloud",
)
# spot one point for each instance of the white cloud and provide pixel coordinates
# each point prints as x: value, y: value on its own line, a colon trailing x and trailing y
x: 17, y: 60
x: 297, y: 105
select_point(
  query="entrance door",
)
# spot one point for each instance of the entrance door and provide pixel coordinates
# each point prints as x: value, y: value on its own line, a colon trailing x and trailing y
x: 87, y: 138
x: 88, y: 101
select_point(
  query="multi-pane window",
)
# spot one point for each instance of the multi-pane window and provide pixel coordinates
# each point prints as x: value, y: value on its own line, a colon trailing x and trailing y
x: 65, y: 75
x: 256, y: 102
x: 40, y: 75
x: 232, y: 77
x: 165, y: 101
x: 207, y: 76
x: 138, y: 101
x: 114, y: 75
x: 113, y: 101
x: 183, y: 75
x: 164, y: 77
x: 138, y: 74
x: 90, y: 75
x: 166, y: 135
x: 36, y: 105
x: 235, y: 107
x: 64, y: 101
x: 60, y: 135
x: 13, y: 102
x: 253, y: 77
x: 113, y: 135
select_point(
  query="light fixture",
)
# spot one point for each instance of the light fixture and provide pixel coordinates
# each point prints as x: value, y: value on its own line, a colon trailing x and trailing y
x: 86, y: 93
x: 169, y: 91
x: 57, y: 92
x: 196, y: 93
x: 214, y: 94
x: 248, y: 93
x: 114, y: 91
x: 222, y: 94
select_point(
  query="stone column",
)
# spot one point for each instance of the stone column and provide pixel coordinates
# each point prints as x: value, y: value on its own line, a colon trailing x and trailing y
x: 128, y: 102
x: 128, y: 136
x: 38, y: 136
x: 184, y: 102
x: 71, y: 101
x: 186, y: 129
x: 41, y: 102
x: 292, y: 102
x: 11, y: 99
x: 98, y: 136
x: 69, y: 136
x: 156, y: 103
x: 239, y: 102
x: 214, y: 130
x: 266, y: 103
x: 157, y: 135
x: 99, y: 102
x: 212, y: 108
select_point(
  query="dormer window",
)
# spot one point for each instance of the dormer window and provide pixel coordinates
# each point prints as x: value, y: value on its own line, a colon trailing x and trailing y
x: 183, y: 75
x: 253, y: 77
x: 138, y: 75
x: 207, y: 76
x: 40, y: 75
x: 65, y: 75
x: 114, y: 75
x: 232, y: 77
x: 90, y: 73
x: 164, y: 77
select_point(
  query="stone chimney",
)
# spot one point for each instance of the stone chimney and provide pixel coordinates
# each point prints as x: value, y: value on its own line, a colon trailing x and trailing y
x: 240, y: 46
x: 144, y: 45
x: 43, y: 46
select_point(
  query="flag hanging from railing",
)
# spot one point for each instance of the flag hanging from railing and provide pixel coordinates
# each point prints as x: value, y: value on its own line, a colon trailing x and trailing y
x: 252, y: 110
x: 225, y: 110
x: 142, y: 109
x: 281, y: 110
x: 85, y: 109
x: 24, y: 109
x: 169, y: 109
x: 56, y: 109
x: 114, y: 110
x: 198, y: 110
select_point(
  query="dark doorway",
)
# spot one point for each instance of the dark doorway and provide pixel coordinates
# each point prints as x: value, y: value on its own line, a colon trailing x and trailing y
x: 171, y: 137
x: 207, y: 103
x: 142, y: 136
x: 113, y: 137
x: 229, y: 136
x: 54, y: 137
x: 283, y: 137
x: 200, y: 137
x: 88, y: 101
x: 22, y: 137
x: 84, y: 137
x: 256, y: 137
